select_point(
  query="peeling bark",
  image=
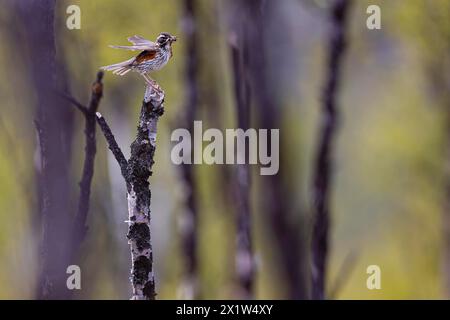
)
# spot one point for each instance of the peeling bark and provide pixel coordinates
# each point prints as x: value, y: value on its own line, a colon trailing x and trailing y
x: 136, y: 172
x: 139, y: 197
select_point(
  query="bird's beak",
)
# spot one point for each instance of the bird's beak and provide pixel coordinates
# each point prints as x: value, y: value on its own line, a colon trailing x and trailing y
x: 173, y: 38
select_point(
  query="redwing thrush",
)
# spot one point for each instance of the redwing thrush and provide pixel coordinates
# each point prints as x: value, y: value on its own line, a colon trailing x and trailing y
x: 153, y: 56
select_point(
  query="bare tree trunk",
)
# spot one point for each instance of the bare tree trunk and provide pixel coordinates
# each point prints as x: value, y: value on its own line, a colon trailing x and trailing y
x: 189, y: 221
x: 323, y: 163
x: 287, y: 233
x: 136, y: 172
x: 245, y: 262
x: 140, y: 169
x: 38, y: 19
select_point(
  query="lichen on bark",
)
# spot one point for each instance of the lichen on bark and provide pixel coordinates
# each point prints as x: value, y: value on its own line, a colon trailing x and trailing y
x: 139, y: 170
x: 136, y: 172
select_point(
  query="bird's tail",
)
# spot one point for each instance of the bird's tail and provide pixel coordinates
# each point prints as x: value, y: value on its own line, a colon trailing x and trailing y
x: 120, y: 68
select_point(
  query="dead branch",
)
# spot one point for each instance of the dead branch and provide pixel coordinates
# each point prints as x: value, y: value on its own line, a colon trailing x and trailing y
x: 90, y: 150
x: 324, y: 153
x: 136, y: 172
x: 113, y: 146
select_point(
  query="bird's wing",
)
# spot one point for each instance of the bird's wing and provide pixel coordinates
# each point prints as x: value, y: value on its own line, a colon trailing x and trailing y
x: 139, y: 43
x: 138, y: 40
x: 145, y: 56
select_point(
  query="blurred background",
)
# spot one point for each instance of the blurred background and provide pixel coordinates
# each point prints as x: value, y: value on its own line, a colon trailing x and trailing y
x: 389, y: 192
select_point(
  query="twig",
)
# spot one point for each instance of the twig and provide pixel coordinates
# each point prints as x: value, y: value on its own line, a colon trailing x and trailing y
x: 323, y: 163
x: 74, y: 101
x: 79, y: 225
x: 344, y: 274
x: 90, y: 150
x: 113, y: 146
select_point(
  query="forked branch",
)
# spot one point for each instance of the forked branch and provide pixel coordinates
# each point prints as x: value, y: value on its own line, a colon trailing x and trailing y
x: 136, y: 172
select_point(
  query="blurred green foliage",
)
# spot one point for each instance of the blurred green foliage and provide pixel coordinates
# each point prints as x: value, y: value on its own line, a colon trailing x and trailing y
x: 388, y: 198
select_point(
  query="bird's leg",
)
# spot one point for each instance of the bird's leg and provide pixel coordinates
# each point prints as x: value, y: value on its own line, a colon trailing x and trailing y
x: 152, y: 82
x: 148, y: 80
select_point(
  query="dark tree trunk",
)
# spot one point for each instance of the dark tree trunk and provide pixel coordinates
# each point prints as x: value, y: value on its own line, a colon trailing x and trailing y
x: 287, y: 234
x: 323, y: 164
x: 37, y: 17
x: 190, y: 288
x: 245, y: 262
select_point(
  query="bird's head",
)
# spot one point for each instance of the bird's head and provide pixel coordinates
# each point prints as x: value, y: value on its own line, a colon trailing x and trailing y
x: 165, y: 38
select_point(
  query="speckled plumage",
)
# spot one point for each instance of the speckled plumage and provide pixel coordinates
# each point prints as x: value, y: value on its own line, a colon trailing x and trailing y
x: 153, y: 62
x: 154, y: 56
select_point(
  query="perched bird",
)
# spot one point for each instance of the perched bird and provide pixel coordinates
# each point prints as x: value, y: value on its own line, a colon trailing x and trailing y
x: 153, y: 56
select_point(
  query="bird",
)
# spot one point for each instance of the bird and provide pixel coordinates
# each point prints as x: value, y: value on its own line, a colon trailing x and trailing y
x: 153, y: 56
